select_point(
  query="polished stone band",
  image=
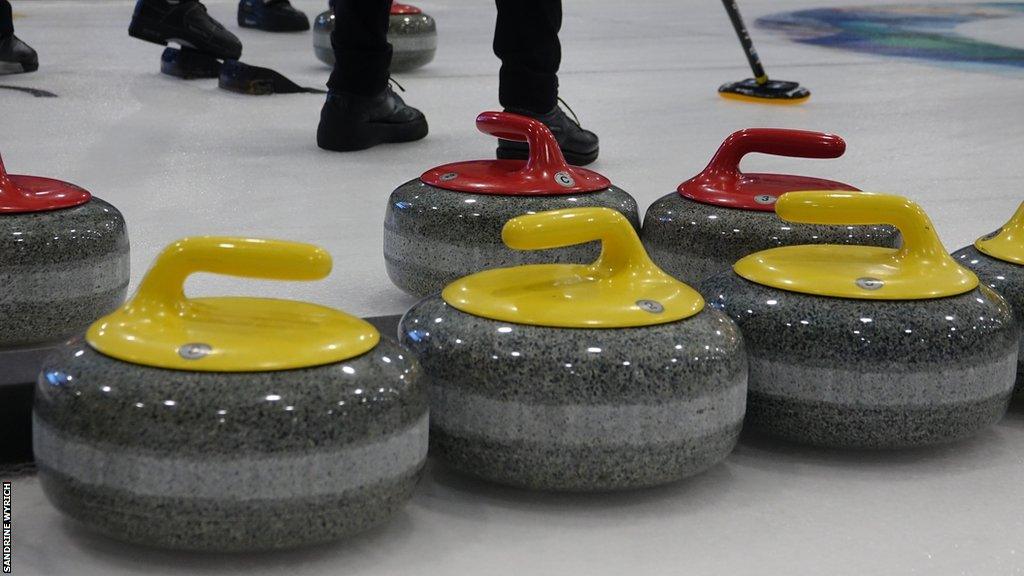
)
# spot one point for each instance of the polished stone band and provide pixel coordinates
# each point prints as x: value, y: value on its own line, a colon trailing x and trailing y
x: 94, y: 276
x: 450, y: 256
x: 323, y: 473
x: 833, y: 384
x: 458, y: 412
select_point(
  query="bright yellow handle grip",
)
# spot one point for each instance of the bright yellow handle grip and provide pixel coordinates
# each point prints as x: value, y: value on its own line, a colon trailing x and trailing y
x: 620, y: 245
x: 621, y: 289
x: 1007, y: 243
x: 920, y: 269
x: 920, y: 241
x: 164, y: 284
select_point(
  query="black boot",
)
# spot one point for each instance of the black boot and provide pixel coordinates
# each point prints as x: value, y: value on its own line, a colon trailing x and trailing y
x: 185, y: 22
x: 579, y: 146
x: 16, y: 56
x: 352, y: 122
x: 271, y: 15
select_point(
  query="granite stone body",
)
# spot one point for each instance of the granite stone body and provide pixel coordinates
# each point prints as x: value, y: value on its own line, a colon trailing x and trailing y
x: 871, y: 374
x: 229, y: 461
x: 579, y: 409
x: 434, y: 236
x: 1007, y: 279
x: 694, y: 241
x: 413, y: 39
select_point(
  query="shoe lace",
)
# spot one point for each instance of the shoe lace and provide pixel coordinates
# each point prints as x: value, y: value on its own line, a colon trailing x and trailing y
x: 391, y: 80
x: 569, y: 108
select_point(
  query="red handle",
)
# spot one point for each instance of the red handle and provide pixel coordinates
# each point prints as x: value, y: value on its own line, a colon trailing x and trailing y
x: 545, y: 157
x: 398, y: 9
x: 32, y: 193
x: 777, y: 142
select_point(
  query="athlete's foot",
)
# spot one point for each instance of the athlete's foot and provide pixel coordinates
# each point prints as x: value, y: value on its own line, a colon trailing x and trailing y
x: 352, y: 122
x: 579, y: 145
x: 16, y: 56
x: 185, y: 22
x: 271, y: 15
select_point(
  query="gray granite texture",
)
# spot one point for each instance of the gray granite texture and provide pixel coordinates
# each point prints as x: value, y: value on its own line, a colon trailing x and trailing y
x: 413, y: 39
x: 230, y: 461
x: 1007, y: 279
x: 570, y: 409
x: 61, y: 270
x: 434, y: 236
x: 853, y: 373
x: 694, y: 241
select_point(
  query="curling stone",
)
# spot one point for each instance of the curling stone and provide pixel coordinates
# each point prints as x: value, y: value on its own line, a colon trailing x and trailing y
x: 412, y: 34
x: 723, y: 214
x: 63, y: 264
x: 578, y: 377
x: 998, y: 260
x: 447, y: 223
x: 230, y: 423
x: 868, y: 347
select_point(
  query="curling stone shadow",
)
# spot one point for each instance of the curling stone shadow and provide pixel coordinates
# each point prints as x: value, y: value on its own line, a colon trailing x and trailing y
x: 1015, y: 415
x: 988, y: 449
x: 447, y: 492
x: 356, y: 552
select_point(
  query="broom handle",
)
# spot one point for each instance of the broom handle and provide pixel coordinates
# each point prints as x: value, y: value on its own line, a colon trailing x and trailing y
x: 748, y: 45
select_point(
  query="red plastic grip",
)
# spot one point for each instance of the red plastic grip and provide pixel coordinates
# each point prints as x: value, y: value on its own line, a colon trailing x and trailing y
x: 398, y: 9
x: 723, y: 184
x: 545, y: 157
x: 777, y: 142
x: 545, y: 171
x: 35, y: 194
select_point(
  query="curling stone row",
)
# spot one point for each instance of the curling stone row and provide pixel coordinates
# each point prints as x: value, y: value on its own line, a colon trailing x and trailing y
x: 229, y: 423
x: 611, y: 375
x: 868, y: 347
x: 150, y: 429
x: 998, y: 260
x: 411, y: 33
x: 447, y: 223
x: 63, y: 263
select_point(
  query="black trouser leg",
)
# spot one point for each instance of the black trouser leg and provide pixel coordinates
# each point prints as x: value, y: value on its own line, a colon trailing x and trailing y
x: 6, y: 19
x: 526, y: 41
x: 362, y: 55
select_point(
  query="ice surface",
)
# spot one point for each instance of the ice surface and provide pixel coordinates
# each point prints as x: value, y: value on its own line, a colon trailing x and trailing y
x: 181, y: 158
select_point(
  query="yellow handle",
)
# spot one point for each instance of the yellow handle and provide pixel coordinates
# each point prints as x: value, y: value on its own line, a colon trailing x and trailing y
x: 621, y: 289
x: 920, y: 242
x: 620, y: 246
x: 164, y: 284
x: 1015, y: 227
x: 1007, y: 243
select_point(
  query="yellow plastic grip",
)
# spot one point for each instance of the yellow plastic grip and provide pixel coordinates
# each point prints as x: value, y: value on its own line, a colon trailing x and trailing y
x: 921, y: 245
x: 161, y: 327
x: 1007, y: 243
x: 244, y: 257
x: 620, y: 246
x: 621, y: 289
x: 920, y: 269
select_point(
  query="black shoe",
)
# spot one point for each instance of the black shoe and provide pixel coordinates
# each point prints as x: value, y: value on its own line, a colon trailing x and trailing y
x: 579, y: 146
x: 271, y: 15
x: 16, y: 56
x: 185, y: 22
x: 350, y: 122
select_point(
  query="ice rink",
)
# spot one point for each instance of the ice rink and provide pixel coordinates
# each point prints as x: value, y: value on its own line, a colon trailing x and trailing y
x: 185, y: 158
